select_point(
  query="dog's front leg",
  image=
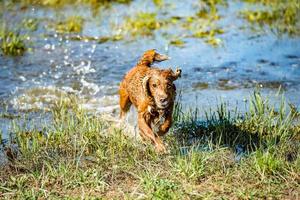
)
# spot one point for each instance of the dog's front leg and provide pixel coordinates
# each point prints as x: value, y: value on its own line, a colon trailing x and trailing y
x: 147, y: 133
x: 164, y: 128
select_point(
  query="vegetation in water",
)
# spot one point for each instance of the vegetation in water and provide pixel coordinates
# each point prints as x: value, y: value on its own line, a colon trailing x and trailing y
x: 281, y: 16
x: 59, y: 3
x: 204, y: 23
x: 209, y: 9
x: 30, y: 24
x: 72, y: 24
x: 79, y: 155
x: 177, y: 42
x: 158, y: 3
x: 12, y: 43
x: 142, y: 24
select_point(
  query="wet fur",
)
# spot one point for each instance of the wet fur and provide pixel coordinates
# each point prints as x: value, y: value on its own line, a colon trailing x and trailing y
x: 137, y: 88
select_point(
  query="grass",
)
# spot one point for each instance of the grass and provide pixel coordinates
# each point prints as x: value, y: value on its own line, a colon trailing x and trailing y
x: 204, y: 24
x: 280, y: 16
x: 12, y: 43
x: 177, y: 42
x: 79, y: 155
x: 59, y: 3
x: 30, y: 24
x: 142, y: 24
x: 72, y: 24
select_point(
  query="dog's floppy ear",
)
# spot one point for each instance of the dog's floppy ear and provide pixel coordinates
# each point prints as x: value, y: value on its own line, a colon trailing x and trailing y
x: 145, y: 83
x: 175, y: 75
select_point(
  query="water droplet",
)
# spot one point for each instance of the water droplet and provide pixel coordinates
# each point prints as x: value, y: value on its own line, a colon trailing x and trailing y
x: 22, y: 78
x: 47, y: 46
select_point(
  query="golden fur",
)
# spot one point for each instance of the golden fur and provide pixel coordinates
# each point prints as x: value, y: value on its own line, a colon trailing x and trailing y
x: 152, y: 92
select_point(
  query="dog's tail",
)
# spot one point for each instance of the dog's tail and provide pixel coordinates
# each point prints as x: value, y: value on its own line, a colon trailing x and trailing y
x: 150, y: 57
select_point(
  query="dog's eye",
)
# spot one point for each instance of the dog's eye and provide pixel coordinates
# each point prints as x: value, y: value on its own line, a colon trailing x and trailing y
x: 154, y: 85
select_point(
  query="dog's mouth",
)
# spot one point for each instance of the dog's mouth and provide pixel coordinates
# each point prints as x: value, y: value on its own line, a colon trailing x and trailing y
x: 162, y: 105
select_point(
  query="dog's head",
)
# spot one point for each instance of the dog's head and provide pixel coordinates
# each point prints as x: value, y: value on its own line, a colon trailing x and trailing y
x: 159, y: 85
x: 152, y: 56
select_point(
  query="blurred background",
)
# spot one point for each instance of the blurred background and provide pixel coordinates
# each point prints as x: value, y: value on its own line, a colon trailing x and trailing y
x: 226, y: 49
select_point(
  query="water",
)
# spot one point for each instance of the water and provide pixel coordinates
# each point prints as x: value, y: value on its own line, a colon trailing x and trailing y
x: 58, y: 65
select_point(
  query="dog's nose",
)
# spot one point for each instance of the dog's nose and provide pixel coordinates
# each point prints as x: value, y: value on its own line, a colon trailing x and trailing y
x: 163, y: 100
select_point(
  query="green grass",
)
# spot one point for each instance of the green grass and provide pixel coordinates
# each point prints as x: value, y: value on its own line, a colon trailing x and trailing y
x: 204, y: 24
x: 12, y: 43
x: 177, y: 42
x: 280, y: 16
x: 72, y: 24
x: 142, y: 24
x: 59, y: 3
x: 79, y: 155
x: 30, y: 24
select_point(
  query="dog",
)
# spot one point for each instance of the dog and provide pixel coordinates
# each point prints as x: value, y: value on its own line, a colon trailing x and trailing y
x: 152, y: 91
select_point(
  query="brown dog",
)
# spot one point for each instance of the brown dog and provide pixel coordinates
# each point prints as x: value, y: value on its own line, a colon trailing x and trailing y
x: 152, y: 92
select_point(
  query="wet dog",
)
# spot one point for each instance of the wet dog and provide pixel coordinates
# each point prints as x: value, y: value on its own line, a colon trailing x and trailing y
x: 152, y: 91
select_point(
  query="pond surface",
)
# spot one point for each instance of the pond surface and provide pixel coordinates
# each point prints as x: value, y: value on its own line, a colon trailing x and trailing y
x: 59, y: 64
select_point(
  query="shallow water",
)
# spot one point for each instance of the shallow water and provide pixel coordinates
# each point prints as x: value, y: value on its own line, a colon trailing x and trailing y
x: 58, y: 64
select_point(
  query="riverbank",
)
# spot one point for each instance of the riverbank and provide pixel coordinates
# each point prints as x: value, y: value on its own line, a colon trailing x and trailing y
x: 255, y: 155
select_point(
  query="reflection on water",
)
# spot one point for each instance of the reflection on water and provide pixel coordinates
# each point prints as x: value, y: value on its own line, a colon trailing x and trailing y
x: 92, y: 67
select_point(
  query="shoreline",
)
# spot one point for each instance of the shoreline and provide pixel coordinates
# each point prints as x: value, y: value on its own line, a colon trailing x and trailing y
x: 83, y: 156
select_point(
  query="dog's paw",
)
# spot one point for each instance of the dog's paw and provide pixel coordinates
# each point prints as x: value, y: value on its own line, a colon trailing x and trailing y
x: 160, y: 148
